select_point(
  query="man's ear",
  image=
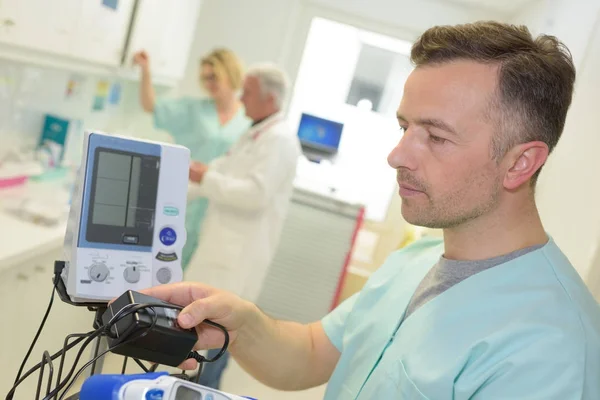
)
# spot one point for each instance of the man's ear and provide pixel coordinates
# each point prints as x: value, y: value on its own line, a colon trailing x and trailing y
x: 523, y: 162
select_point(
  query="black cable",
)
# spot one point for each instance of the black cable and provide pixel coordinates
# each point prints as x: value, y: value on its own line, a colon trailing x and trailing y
x: 107, y: 326
x: 124, y: 368
x: 225, y: 342
x: 11, y: 393
x: 78, y: 373
x: 142, y: 366
x: 39, y: 331
x: 122, y: 313
x: 106, y: 330
x: 201, y: 360
x: 65, y: 381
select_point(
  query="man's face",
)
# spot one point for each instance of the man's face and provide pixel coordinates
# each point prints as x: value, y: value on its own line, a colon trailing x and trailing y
x: 444, y: 166
x: 252, y: 98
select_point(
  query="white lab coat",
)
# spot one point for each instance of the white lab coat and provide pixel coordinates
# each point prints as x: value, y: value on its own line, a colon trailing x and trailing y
x: 248, y: 192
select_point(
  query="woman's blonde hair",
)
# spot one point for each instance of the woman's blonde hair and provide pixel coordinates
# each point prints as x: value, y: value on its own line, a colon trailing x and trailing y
x: 226, y: 66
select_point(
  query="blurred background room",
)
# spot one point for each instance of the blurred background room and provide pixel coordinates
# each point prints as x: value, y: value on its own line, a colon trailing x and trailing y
x: 67, y: 66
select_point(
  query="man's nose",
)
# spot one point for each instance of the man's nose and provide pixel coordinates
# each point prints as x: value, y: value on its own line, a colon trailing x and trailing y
x: 404, y: 154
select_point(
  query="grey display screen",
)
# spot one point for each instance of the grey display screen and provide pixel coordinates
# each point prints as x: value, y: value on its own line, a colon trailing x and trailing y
x: 123, y: 197
x: 117, y: 189
x: 184, y: 393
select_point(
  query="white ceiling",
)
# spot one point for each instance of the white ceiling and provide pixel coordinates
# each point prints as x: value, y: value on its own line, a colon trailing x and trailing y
x: 505, y: 7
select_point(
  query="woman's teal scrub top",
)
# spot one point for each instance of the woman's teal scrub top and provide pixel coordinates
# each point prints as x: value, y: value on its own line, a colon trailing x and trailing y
x: 525, y: 329
x: 194, y: 123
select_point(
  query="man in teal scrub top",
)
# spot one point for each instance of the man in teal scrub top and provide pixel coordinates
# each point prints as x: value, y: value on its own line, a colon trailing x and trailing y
x: 207, y: 126
x: 495, y: 310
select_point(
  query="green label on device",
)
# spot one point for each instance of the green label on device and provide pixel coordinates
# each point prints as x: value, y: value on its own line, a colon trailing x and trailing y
x: 171, y: 211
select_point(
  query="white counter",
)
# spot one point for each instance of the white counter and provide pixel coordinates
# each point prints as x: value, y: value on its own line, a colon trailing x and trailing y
x: 23, y: 240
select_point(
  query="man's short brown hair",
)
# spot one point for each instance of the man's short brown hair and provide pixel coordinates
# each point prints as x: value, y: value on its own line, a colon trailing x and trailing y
x: 535, y: 78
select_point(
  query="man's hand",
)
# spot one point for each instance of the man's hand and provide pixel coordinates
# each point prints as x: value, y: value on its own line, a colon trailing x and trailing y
x: 141, y: 58
x: 197, y: 171
x: 204, y: 302
x: 282, y: 354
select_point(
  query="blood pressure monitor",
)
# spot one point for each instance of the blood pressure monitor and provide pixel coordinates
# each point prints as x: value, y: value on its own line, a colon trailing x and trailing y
x: 126, y: 226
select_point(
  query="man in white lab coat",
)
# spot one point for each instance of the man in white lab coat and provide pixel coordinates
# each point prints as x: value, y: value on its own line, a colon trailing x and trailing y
x: 248, y: 190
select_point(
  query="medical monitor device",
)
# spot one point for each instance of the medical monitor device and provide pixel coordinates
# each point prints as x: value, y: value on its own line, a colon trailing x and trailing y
x: 319, y: 135
x: 126, y: 225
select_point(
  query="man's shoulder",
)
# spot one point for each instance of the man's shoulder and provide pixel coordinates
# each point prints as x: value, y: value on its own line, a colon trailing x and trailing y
x: 564, y: 284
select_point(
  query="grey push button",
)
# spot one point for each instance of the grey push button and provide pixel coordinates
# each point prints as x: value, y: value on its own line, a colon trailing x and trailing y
x: 163, y: 275
x: 131, y: 239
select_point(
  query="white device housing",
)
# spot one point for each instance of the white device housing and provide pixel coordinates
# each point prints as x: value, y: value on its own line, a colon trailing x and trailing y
x: 118, y: 238
x: 170, y: 388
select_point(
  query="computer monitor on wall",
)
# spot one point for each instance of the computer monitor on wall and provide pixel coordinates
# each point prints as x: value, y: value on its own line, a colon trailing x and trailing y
x: 319, y: 137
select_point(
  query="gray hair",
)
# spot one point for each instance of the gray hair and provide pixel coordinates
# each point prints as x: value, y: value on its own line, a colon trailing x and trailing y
x: 272, y: 81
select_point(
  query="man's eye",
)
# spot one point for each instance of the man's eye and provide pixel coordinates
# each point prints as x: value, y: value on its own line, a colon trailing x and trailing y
x: 403, y: 129
x: 437, y: 139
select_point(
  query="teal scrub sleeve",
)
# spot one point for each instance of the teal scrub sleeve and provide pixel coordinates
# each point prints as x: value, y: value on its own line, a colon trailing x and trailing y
x: 334, y: 323
x: 172, y: 115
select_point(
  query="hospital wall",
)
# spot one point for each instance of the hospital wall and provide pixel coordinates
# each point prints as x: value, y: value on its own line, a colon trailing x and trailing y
x: 272, y: 30
x: 29, y: 92
x: 269, y: 30
x: 568, y: 192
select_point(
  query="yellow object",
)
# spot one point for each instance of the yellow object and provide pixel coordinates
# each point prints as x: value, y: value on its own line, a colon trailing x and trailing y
x: 410, y: 236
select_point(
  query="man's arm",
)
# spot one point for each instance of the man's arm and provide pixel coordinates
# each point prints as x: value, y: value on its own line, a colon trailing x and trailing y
x: 275, y: 160
x: 284, y: 355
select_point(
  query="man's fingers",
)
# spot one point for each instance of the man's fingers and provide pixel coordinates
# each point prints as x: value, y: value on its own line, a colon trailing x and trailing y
x: 168, y: 293
x: 189, y: 364
x: 193, y: 314
x: 215, y: 308
x: 182, y: 293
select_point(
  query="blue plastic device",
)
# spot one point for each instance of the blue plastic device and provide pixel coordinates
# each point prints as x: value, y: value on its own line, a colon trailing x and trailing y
x: 149, y: 386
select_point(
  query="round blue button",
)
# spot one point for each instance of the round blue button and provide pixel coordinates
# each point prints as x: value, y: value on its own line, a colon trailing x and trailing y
x: 168, y: 236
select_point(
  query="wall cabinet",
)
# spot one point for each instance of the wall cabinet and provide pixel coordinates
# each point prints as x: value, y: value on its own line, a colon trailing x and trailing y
x: 102, y: 32
x: 52, y: 27
x: 95, y: 32
x: 86, y: 30
x: 13, y: 21
x: 166, y: 33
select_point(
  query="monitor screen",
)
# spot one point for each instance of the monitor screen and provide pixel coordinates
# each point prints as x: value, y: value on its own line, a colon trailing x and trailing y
x: 320, y: 134
x: 123, y: 198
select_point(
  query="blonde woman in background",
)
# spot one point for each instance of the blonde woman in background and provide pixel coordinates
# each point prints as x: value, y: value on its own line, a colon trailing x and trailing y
x: 207, y: 126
